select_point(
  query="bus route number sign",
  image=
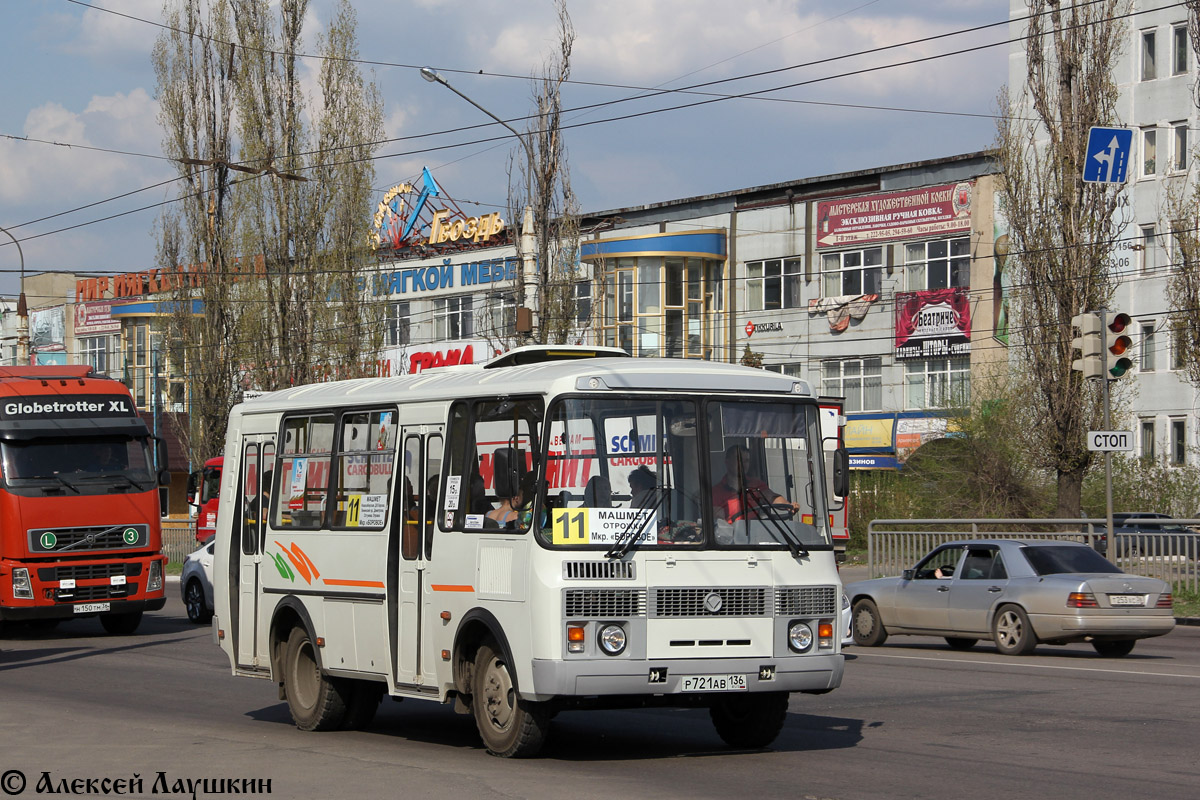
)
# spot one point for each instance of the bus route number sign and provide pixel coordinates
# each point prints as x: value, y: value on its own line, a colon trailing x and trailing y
x: 571, y: 527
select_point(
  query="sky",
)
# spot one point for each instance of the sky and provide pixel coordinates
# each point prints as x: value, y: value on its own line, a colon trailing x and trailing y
x: 77, y: 76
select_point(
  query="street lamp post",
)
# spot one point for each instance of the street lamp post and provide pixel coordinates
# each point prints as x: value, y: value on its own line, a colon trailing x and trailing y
x: 433, y: 76
x: 22, y: 309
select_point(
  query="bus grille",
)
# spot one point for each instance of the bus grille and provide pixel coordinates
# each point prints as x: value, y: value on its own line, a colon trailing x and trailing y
x: 806, y: 601
x: 599, y: 570
x: 87, y: 572
x: 696, y: 602
x: 604, y: 603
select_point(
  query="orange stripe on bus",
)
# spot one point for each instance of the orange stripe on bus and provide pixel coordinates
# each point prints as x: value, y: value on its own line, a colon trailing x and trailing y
x: 339, y: 582
x: 444, y: 587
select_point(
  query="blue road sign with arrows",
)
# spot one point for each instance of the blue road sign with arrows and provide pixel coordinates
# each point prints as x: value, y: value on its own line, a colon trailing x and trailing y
x: 1108, y: 151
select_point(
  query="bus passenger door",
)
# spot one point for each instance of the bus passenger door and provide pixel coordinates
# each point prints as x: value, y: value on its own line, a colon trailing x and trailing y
x: 252, y: 503
x: 421, y: 470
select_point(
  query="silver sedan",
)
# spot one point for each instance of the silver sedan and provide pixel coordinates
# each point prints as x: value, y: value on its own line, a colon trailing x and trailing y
x: 1017, y: 593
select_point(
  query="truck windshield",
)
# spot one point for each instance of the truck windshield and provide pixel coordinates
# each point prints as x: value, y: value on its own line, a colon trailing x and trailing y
x: 77, y: 461
x: 631, y: 472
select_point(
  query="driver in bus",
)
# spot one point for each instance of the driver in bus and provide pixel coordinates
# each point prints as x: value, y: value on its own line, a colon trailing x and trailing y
x: 727, y: 493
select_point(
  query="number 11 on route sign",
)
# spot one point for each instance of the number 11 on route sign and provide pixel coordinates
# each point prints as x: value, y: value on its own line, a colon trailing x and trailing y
x: 1108, y: 154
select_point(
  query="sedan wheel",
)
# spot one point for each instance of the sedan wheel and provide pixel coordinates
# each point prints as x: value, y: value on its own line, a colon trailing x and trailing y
x: 865, y: 624
x: 193, y: 601
x: 1012, y: 632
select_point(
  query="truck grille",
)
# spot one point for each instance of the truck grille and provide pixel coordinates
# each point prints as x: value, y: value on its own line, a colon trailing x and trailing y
x: 94, y: 537
x: 709, y: 602
x: 87, y: 572
x: 84, y: 594
x: 806, y: 601
x: 604, y: 603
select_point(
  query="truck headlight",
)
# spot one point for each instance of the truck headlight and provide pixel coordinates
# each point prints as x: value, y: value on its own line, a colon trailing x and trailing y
x: 612, y: 640
x: 155, y: 582
x: 21, y: 586
x: 800, y: 636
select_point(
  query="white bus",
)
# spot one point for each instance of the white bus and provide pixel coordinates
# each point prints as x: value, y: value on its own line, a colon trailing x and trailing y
x: 559, y: 528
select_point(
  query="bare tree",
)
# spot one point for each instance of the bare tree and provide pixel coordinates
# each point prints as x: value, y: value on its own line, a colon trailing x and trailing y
x: 545, y: 188
x: 290, y: 308
x: 1062, y: 229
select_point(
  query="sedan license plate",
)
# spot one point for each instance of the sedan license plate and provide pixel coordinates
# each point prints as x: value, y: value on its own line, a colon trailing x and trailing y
x: 90, y: 608
x: 712, y: 683
x: 1127, y: 600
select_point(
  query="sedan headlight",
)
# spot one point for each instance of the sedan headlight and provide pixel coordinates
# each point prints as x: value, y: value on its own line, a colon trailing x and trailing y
x: 21, y: 586
x: 612, y: 640
x: 800, y: 636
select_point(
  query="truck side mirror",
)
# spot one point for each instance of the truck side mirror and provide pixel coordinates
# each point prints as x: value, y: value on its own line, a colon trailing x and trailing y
x: 193, y: 486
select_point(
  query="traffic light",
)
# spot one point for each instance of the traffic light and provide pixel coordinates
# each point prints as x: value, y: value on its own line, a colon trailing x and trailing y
x: 1117, y: 360
x: 1087, y: 342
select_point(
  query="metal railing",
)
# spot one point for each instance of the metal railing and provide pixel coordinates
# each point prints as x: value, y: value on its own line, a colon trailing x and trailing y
x: 178, y: 539
x: 894, y: 545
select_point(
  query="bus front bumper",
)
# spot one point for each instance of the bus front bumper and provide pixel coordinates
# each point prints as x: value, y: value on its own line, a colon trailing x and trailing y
x: 625, y: 677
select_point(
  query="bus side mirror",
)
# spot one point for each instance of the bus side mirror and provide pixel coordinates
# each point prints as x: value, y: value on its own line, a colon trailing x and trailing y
x: 841, y: 472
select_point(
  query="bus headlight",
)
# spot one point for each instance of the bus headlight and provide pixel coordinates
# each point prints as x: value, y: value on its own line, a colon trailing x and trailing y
x: 800, y: 636
x: 155, y: 583
x: 612, y: 640
x: 21, y: 586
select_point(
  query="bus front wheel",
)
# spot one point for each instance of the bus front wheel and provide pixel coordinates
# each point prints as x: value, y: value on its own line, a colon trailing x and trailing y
x: 509, y: 726
x: 749, y: 720
x: 316, y: 701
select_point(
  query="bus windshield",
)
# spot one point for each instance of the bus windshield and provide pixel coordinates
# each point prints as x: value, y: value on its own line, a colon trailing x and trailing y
x: 77, y: 462
x: 631, y: 472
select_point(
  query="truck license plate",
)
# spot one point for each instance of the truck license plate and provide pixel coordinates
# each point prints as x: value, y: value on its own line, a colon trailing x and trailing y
x: 90, y: 608
x: 712, y: 683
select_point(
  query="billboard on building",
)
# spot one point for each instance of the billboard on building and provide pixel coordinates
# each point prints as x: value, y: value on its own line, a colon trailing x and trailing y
x: 933, y: 324
x: 931, y: 211
x: 95, y: 318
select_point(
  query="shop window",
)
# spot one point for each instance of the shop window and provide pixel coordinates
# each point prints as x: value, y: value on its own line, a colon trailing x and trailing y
x: 452, y: 318
x: 1178, y: 441
x: 858, y: 380
x: 853, y: 273
x: 937, y: 383
x: 397, y: 322
x: 940, y: 264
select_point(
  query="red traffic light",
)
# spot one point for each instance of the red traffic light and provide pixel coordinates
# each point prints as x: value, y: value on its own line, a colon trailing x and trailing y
x: 1118, y: 322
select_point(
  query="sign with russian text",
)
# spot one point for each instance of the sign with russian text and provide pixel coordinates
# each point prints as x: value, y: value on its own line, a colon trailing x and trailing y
x: 933, y: 324
x: 95, y: 318
x: 930, y: 211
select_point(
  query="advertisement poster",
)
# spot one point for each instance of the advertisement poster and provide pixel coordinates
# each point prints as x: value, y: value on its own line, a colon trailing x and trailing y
x: 299, y: 475
x: 933, y: 324
x: 931, y: 211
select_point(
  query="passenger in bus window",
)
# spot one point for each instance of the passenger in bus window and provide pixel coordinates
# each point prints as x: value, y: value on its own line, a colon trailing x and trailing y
x: 641, y: 484
x: 509, y: 510
x: 741, y: 475
x: 260, y: 502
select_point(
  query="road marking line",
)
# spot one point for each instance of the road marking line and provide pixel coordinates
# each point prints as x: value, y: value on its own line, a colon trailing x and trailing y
x: 860, y: 654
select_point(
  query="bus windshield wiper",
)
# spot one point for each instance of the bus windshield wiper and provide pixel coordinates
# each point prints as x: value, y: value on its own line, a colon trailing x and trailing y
x: 766, y: 509
x: 633, y: 531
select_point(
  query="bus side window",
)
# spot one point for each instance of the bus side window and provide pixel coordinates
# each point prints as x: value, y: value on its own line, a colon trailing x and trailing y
x: 410, y: 507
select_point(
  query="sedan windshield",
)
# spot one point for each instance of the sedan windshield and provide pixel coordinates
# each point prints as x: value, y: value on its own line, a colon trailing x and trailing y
x: 1063, y: 559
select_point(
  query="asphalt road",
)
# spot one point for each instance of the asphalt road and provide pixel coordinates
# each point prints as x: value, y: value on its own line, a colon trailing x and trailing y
x: 913, y: 719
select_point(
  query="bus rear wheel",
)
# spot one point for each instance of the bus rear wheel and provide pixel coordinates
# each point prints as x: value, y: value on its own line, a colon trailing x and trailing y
x: 509, y: 726
x: 749, y: 720
x: 121, y: 624
x: 316, y: 701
